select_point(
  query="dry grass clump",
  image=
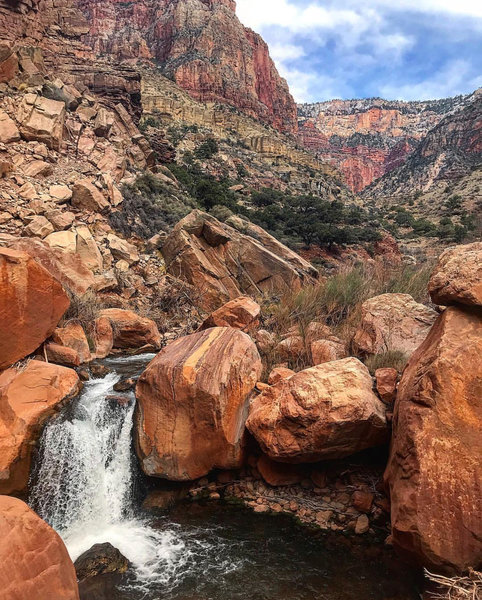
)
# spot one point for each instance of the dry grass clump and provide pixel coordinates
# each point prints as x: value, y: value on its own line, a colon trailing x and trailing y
x: 337, y: 302
x: 83, y: 309
x: 455, y: 588
x: 394, y: 359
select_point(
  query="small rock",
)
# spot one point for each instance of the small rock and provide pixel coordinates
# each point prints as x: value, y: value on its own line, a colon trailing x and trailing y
x: 362, y: 525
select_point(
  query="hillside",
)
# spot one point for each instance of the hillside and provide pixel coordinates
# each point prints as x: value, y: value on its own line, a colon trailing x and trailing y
x: 367, y: 138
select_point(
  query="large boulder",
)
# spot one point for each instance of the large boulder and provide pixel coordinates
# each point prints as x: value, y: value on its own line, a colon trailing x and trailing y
x: 72, y: 335
x: 326, y: 412
x: 8, y: 129
x: 32, y: 303
x: 222, y: 263
x: 68, y: 268
x: 34, y: 562
x: 28, y: 397
x: 392, y: 322
x: 240, y: 313
x: 457, y: 277
x: 42, y: 120
x: 100, y: 559
x: 131, y: 331
x: 193, y: 402
x: 434, y: 472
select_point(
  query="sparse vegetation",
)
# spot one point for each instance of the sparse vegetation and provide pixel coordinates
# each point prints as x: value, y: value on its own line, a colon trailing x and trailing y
x: 393, y: 359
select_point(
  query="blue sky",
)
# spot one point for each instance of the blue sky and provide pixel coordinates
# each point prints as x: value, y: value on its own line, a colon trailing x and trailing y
x: 403, y: 49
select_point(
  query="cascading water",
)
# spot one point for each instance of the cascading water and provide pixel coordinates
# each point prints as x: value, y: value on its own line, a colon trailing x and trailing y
x: 84, y: 479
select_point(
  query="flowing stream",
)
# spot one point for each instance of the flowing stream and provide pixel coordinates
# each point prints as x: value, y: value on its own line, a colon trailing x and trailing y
x: 83, y: 484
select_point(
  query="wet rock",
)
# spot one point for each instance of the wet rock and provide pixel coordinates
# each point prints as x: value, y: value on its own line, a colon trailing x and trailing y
x: 100, y: 559
x: 99, y: 371
x: 278, y: 474
x: 164, y: 499
x: 125, y: 385
x: 34, y: 562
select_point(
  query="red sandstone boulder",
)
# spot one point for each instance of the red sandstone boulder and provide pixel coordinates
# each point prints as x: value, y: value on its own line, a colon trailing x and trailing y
x: 193, y: 403
x: 278, y: 374
x: 32, y: 302
x: 42, y: 120
x: 28, y: 397
x: 61, y: 355
x: 34, y: 562
x: 325, y: 412
x: 387, y: 379
x: 240, y: 313
x: 67, y: 268
x: 222, y: 263
x: 434, y: 471
x: 131, y: 331
x: 457, y: 278
x: 392, y: 322
x: 73, y: 336
x: 323, y: 351
x: 278, y: 474
x: 87, y: 197
x: 103, y: 337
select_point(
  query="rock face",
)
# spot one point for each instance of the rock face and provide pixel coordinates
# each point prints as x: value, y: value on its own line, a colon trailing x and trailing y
x: 325, y: 412
x: 31, y: 305
x: 27, y: 398
x: 434, y: 467
x: 241, y: 313
x: 223, y: 264
x: 193, y: 402
x: 201, y: 45
x: 392, y: 322
x: 367, y: 138
x: 131, y: 331
x: 34, y: 562
x: 457, y: 278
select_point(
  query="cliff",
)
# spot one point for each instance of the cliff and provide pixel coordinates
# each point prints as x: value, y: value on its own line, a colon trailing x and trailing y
x: 199, y: 44
x: 367, y: 138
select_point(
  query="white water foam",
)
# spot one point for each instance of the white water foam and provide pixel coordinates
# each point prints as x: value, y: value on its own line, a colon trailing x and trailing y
x: 83, y: 485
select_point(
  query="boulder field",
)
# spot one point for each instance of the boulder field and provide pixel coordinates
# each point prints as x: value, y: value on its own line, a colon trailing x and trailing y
x: 34, y: 562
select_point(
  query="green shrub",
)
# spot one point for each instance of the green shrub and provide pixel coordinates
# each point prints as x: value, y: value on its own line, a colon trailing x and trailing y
x: 207, y: 149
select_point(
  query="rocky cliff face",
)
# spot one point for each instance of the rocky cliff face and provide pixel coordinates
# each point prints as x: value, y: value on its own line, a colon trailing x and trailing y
x: 450, y: 151
x: 367, y: 138
x: 202, y: 46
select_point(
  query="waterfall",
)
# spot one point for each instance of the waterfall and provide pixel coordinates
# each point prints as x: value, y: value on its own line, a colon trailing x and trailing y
x: 83, y: 482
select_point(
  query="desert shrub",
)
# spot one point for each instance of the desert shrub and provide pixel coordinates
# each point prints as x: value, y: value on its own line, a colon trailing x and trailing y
x: 147, y: 122
x: 85, y: 310
x: 149, y: 207
x: 394, y: 359
x: 207, y: 149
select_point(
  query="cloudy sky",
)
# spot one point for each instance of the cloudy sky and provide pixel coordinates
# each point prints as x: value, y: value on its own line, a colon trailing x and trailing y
x: 396, y: 49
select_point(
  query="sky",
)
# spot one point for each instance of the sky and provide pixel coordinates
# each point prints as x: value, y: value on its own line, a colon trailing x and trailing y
x: 398, y: 49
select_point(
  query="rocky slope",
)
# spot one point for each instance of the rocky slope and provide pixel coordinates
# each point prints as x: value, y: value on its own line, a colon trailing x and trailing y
x: 367, y: 138
x: 202, y: 46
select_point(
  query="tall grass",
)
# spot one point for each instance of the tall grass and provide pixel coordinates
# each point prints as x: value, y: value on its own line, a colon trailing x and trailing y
x: 336, y: 301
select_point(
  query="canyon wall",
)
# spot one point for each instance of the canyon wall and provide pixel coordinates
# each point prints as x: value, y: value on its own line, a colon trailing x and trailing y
x: 199, y: 44
x: 367, y: 138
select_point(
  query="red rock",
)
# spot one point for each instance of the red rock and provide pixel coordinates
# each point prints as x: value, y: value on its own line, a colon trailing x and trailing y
x: 193, y: 402
x: 73, y: 336
x: 387, y: 384
x: 291, y: 349
x: 392, y: 322
x: 42, y: 120
x: 223, y: 264
x: 103, y: 337
x: 130, y: 330
x: 434, y: 467
x: 28, y: 398
x: 278, y: 374
x: 34, y: 562
x: 31, y: 304
x: 87, y: 197
x: 325, y: 412
x: 363, y: 501
x: 61, y: 355
x: 278, y: 474
x: 457, y: 277
x: 216, y: 37
x: 318, y: 478
x: 323, y: 351
x: 240, y: 313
